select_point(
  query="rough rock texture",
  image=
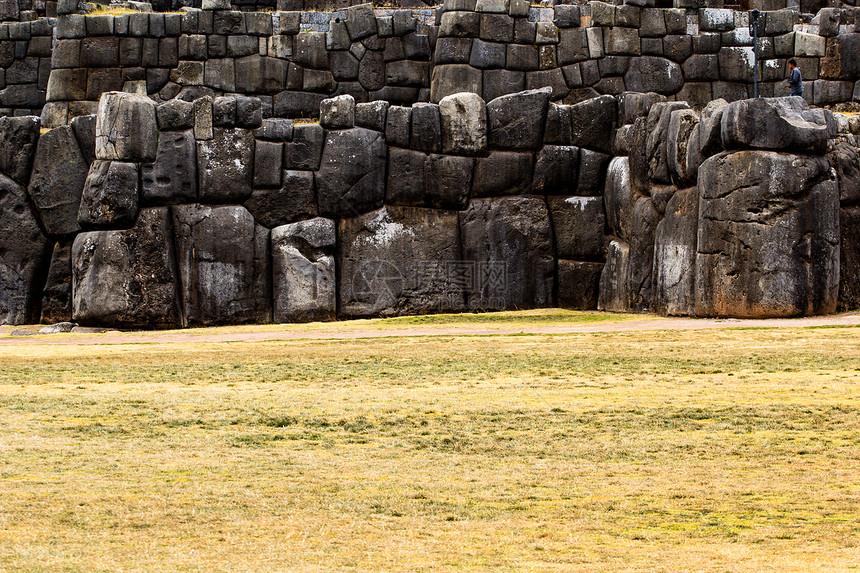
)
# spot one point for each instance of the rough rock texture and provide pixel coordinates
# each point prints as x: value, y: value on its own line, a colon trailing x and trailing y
x: 614, y: 293
x: 24, y: 255
x: 593, y: 122
x: 784, y: 123
x: 675, y: 255
x: 20, y: 135
x: 653, y: 74
x: 57, y: 181
x: 517, y: 121
x: 464, y: 124
x: 556, y: 170
x: 303, y: 273
x: 768, y: 236
x: 294, y: 200
x: 351, y: 177
x: 682, y: 124
x: 225, y: 166
x: 578, y: 284
x: 127, y: 278
x: 126, y: 127
x: 578, y: 223
x: 508, y: 241
x: 338, y: 112
x: 110, y: 195
x: 57, y: 294
x: 223, y: 265
x: 399, y: 260
x: 849, y: 258
x: 173, y: 176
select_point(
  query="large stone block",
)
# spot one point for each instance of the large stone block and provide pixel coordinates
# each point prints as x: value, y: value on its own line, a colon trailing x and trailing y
x: 24, y: 255
x: 303, y: 272
x: 849, y: 258
x: 57, y: 181
x: 657, y: 141
x: 450, y: 79
x: 126, y: 128
x: 653, y: 74
x: 110, y: 195
x: 223, y: 258
x: 578, y: 284
x: 517, y: 121
x: 613, y: 295
x: 464, y: 124
x: 57, y: 294
x: 502, y: 173
x: 593, y: 122
x: 20, y: 135
x: 556, y: 170
x: 509, y: 243
x: 579, y: 224
x: 784, y: 123
x: 351, y: 177
x: 173, y: 176
x: 682, y: 124
x: 675, y: 255
x: 127, y: 278
x: 293, y: 200
x: 768, y: 238
x: 225, y: 166
x: 399, y: 260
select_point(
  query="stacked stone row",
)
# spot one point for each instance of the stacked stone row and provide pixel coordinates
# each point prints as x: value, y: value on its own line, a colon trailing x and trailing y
x: 212, y: 52
x: 494, y: 47
x: 491, y: 48
x: 25, y: 65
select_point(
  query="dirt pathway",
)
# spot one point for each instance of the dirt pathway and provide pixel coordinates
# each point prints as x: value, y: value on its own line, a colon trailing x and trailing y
x: 330, y: 331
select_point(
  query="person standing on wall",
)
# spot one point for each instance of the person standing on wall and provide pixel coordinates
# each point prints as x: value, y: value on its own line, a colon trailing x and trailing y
x: 795, y: 81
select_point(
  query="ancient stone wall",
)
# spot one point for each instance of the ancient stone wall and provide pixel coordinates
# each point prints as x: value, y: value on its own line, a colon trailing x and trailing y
x: 205, y: 212
x: 293, y: 60
x: 25, y: 65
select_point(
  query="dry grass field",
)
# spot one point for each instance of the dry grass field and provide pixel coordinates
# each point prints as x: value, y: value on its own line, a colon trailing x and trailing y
x: 718, y: 450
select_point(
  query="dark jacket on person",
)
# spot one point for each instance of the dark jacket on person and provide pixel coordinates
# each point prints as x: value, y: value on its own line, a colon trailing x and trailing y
x: 795, y: 82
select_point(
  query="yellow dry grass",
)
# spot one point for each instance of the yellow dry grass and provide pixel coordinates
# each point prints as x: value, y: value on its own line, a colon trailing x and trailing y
x: 732, y: 450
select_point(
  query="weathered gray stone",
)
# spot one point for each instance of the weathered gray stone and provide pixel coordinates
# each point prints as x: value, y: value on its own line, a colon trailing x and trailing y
x: 502, y: 173
x: 425, y: 130
x: 675, y: 255
x: 127, y: 278
x: 592, y: 172
x: 517, y: 121
x: 578, y: 284
x: 305, y: 149
x: 173, y: 176
x: 464, y: 124
x: 223, y: 258
x: 653, y: 74
x: 634, y: 104
x: 682, y: 124
x: 849, y: 258
x: 768, y: 238
x: 225, y: 165
x: 57, y: 294
x: 294, y: 200
x: 351, y: 177
x: 613, y: 295
x: 372, y: 115
x: 24, y: 255
x: 593, y: 123
x: 110, y: 195
x: 578, y: 223
x: 502, y: 82
x: 20, y: 135
x: 399, y: 260
x: 268, y: 162
x: 773, y: 123
x: 175, y: 114
x: 557, y: 130
x: 448, y: 181
x: 656, y: 142
x: 303, y: 271
x: 57, y: 181
x: 338, y: 112
x: 126, y: 128
x: 509, y: 241
x: 454, y: 78
x: 360, y: 21
x: 845, y: 159
x: 556, y: 170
